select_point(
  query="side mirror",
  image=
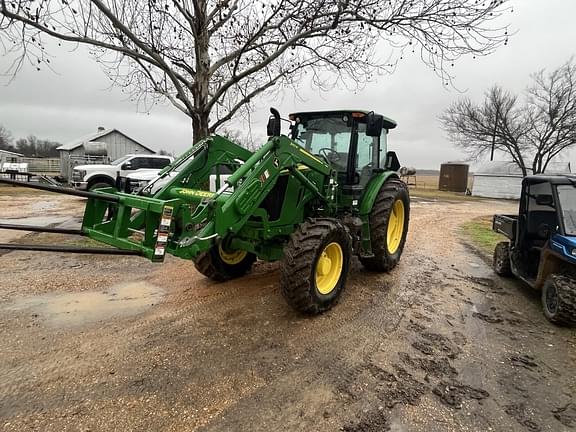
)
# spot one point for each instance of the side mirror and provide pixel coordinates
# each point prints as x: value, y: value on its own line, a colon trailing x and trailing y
x: 374, y: 125
x: 274, y: 127
x: 545, y: 200
x: 392, y: 162
x: 127, y: 166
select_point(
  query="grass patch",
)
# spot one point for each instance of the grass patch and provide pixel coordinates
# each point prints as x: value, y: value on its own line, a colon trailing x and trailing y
x: 479, y: 232
x: 435, y: 194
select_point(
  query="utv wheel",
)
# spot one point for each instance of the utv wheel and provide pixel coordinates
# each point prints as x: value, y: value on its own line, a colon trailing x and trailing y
x: 315, y: 265
x: 388, y: 226
x: 501, y: 261
x: 221, y: 265
x: 559, y: 299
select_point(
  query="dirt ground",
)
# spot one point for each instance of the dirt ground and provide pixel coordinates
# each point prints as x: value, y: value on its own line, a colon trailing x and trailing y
x: 439, y: 344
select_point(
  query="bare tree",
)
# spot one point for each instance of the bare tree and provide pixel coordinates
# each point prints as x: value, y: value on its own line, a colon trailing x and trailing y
x: 551, y: 114
x: 211, y: 58
x: 35, y: 147
x: 531, y: 133
x: 239, y: 137
x: 497, y: 123
x: 5, y: 139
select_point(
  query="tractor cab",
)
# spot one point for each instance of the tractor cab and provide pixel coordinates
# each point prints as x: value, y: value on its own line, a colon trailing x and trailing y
x: 352, y: 142
x: 542, y: 246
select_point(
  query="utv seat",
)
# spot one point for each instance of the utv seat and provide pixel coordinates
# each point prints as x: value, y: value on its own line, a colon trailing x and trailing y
x: 539, y: 227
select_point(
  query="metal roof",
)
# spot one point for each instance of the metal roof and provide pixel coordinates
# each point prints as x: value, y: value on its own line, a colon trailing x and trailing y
x: 11, y: 152
x: 93, y: 137
x: 554, y: 179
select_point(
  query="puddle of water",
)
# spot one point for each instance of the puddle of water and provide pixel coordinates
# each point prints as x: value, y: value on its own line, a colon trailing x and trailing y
x: 62, y: 310
x: 6, y: 236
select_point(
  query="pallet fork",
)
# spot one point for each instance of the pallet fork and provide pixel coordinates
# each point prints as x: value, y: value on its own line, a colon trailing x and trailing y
x: 46, y: 229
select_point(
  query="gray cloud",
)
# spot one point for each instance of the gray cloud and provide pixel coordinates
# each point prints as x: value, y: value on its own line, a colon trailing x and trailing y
x: 75, y: 100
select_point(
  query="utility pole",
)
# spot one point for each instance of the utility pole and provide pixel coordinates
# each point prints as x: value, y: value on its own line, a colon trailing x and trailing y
x: 494, y: 134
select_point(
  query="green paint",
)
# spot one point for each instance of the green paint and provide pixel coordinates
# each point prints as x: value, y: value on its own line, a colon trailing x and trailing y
x: 270, y: 192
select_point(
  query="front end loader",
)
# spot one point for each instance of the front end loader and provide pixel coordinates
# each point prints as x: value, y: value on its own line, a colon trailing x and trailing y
x: 311, y: 200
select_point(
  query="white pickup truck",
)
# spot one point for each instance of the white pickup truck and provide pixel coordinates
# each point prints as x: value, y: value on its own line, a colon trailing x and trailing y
x: 89, y: 177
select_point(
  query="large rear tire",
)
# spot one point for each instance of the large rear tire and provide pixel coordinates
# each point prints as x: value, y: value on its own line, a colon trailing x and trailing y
x: 315, y: 265
x: 559, y: 299
x: 389, y: 220
x: 221, y: 265
x: 501, y: 261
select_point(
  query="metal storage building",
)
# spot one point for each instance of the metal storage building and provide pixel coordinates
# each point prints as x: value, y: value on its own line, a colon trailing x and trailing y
x: 453, y: 177
x: 9, y: 157
x: 504, y: 179
x: 116, y: 143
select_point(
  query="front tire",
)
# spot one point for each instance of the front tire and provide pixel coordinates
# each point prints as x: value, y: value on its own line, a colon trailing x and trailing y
x: 559, y: 299
x: 221, y: 265
x: 315, y: 265
x: 389, y: 220
x: 501, y: 261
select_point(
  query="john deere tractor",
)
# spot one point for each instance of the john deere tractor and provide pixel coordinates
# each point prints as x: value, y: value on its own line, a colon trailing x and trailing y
x: 310, y: 200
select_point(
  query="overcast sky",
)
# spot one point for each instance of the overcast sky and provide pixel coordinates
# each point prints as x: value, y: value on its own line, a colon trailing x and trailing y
x: 75, y: 101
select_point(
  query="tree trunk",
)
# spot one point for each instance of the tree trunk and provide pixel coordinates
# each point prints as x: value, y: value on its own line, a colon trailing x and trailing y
x: 200, y: 89
x: 200, y: 126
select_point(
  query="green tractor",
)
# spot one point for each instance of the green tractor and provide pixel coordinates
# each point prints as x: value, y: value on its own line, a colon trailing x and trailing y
x: 309, y: 200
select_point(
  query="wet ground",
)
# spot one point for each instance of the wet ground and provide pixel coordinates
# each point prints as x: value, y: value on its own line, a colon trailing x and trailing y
x: 441, y: 343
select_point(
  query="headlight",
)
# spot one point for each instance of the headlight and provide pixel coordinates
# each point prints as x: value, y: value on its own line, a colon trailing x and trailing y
x: 78, y: 174
x: 574, y: 252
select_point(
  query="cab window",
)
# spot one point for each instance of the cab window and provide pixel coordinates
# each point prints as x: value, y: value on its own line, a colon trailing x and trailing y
x: 159, y: 163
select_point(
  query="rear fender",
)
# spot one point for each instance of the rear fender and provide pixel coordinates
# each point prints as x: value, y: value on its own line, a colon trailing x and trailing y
x: 372, y: 189
x: 550, y: 262
x: 366, y: 204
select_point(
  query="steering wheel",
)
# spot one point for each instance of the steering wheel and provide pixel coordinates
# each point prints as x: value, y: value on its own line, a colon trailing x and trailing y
x: 331, y: 156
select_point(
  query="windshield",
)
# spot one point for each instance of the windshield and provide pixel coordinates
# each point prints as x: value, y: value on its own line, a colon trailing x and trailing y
x: 330, y: 137
x: 119, y: 160
x: 567, y: 197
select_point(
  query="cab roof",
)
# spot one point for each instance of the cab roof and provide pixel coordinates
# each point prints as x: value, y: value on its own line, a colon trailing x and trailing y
x: 388, y: 122
x: 562, y: 179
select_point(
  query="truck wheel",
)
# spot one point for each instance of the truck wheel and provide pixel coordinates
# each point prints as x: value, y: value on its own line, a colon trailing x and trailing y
x: 221, y: 265
x: 388, y: 226
x: 501, y: 262
x: 315, y: 265
x: 99, y: 185
x: 559, y: 299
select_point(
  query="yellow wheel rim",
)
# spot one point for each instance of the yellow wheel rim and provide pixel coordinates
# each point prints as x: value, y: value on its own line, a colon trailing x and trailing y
x: 231, y: 257
x: 329, y: 268
x: 395, y: 226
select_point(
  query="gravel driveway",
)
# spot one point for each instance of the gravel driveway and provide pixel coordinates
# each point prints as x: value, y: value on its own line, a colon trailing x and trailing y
x: 441, y: 343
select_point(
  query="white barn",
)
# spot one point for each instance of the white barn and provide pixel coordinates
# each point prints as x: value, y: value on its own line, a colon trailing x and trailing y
x: 504, y: 179
x: 115, y: 143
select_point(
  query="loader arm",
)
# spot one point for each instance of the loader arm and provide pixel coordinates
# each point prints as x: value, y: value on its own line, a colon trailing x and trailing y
x: 184, y: 219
